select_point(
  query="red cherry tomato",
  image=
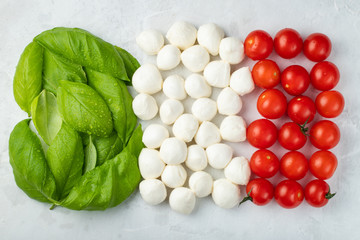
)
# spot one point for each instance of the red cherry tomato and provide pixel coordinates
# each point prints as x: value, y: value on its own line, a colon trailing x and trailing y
x: 261, y: 133
x: 324, y: 76
x: 289, y: 194
x: 258, y: 45
x: 264, y: 163
x: 292, y: 136
x: 317, y: 193
x: 301, y: 109
x: 317, y: 47
x: 295, y: 80
x: 330, y: 104
x: 324, y: 135
x: 288, y: 43
x: 266, y: 74
x: 272, y: 103
x: 260, y: 191
x: 294, y: 165
x: 323, y: 164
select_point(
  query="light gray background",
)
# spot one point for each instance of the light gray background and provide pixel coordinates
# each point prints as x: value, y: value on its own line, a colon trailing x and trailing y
x: 119, y: 22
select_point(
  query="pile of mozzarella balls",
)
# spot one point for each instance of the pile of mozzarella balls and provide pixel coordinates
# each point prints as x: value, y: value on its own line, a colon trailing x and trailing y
x: 184, y: 143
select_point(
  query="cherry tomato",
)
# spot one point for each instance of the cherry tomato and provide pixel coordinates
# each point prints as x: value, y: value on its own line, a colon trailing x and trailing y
x: 260, y: 191
x: 324, y: 76
x: 301, y: 109
x: 264, y: 163
x: 258, y: 45
x: 323, y: 164
x: 292, y: 136
x: 324, y: 135
x: 317, y: 47
x: 261, y: 133
x: 272, y: 103
x: 295, y: 80
x: 288, y: 43
x: 330, y: 104
x: 317, y: 193
x: 266, y: 74
x: 294, y: 165
x: 289, y: 194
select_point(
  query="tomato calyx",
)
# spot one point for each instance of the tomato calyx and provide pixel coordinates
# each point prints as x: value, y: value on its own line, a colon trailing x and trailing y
x: 304, y: 129
x: 247, y: 197
x: 329, y: 195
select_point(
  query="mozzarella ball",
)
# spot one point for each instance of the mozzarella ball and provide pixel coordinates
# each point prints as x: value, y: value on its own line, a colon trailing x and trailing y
x: 219, y: 155
x: 238, y: 171
x: 233, y: 129
x: 168, y: 57
x: 241, y: 81
x: 217, y: 74
x: 153, y: 191
x: 147, y: 79
x: 150, y: 41
x: 204, y: 109
x: 185, y: 127
x: 226, y: 194
x: 231, y: 49
x: 174, y: 176
x: 196, y: 158
x: 201, y: 183
x: 196, y: 86
x: 182, y: 34
x: 170, y: 110
x: 229, y: 102
x: 144, y: 106
x: 195, y: 58
x: 209, y: 36
x: 173, y: 151
x: 207, y: 134
x: 174, y: 87
x: 150, y: 164
x: 154, y: 135
x: 182, y: 200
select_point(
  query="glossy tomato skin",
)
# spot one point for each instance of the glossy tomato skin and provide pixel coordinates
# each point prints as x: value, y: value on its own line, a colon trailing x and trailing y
x: 330, y: 104
x: 288, y: 43
x: 258, y: 45
x: 324, y: 135
x: 262, y: 191
x: 261, y: 133
x: 301, y: 109
x: 295, y: 80
x: 289, y: 194
x: 291, y: 136
x: 324, y: 76
x: 317, y: 47
x: 272, y: 104
x: 294, y: 165
x: 264, y: 163
x: 266, y: 74
x: 317, y: 193
x: 323, y: 164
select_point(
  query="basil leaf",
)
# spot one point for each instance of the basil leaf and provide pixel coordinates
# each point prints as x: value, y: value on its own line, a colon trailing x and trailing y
x: 131, y: 64
x: 90, y: 156
x: 135, y: 144
x: 107, y: 147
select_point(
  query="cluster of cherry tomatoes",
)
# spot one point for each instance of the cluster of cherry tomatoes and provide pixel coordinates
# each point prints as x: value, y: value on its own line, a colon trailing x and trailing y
x: 272, y: 104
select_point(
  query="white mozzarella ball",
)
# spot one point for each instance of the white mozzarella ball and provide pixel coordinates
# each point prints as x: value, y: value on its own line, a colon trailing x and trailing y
x: 207, y: 134
x: 209, y: 36
x: 154, y: 135
x: 196, y: 86
x: 182, y: 200
x: 219, y: 155
x: 238, y: 171
x: 168, y: 57
x: 174, y: 176
x: 144, y: 106
x: 241, y: 81
x: 152, y: 191
x: 204, y: 109
x: 174, y: 87
x: 196, y: 158
x: 226, y: 194
x: 182, y: 34
x: 229, y: 102
x: 150, y: 164
x: 170, y: 110
x: 195, y: 58
x: 201, y: 183
x: 185, y: 127
x: 217, y: 74
x: 231, y: 49
x: 150, y: 41
x: 147, y: 79
x: 173, y: 151
x: 233, y: 129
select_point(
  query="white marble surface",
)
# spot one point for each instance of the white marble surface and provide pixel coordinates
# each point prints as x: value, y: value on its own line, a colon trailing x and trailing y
x: 119, y: 22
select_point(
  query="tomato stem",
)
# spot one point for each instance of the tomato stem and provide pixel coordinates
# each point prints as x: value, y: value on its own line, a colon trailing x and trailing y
x: 303, y: 127
x: 247, y: 198
x: 329, y: 195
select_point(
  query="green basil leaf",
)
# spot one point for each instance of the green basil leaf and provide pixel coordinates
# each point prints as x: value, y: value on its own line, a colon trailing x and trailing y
x: 131, y: 64
x: 135, y: 144
x: 107, y: 147
x: 90, y: 156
